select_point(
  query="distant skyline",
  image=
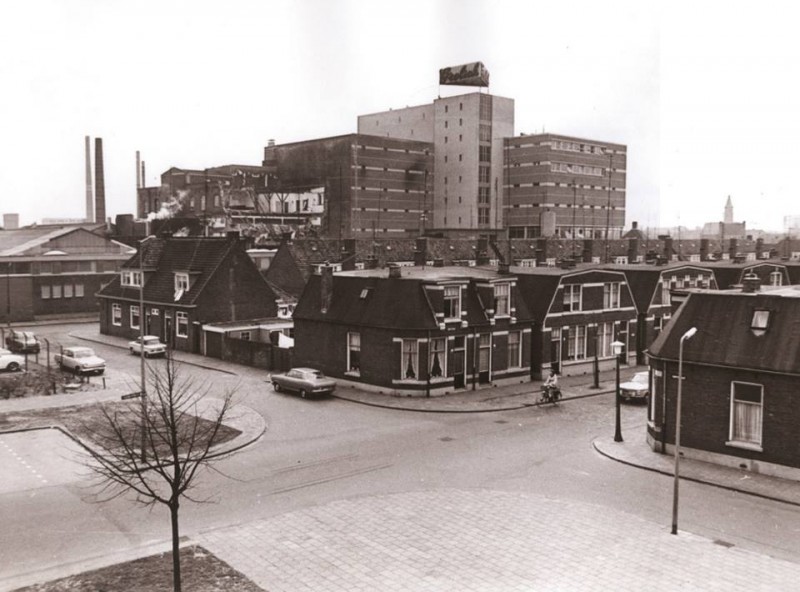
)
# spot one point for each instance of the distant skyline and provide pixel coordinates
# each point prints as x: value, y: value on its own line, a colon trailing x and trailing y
x: 704, y: 99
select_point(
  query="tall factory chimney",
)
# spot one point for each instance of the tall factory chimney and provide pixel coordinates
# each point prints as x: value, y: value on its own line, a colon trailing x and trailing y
x: 99, y: 182
x: 89, y: 194
x: 138, y: 170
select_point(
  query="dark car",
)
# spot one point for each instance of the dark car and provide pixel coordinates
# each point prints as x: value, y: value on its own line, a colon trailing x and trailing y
x: 23, y: 342
x: 305, y: 381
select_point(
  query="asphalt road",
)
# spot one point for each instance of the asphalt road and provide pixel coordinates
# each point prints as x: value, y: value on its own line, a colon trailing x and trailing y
x: 315, y: 452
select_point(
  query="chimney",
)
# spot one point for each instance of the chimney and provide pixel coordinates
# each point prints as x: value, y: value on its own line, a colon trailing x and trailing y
x: 371, y: 262
x: 703, y: 249
x: 588, y: 250
x: 326, y: 287
x: 541, y: 251
x: 89, y: 194
x: 10, y: 221
x: 348, y: 258
x: 421, y: 252
x: 438, y: 262
x: 634, y: 225
x: 138, y: 170
x: 733, y: 247
x: 633, y: 248
x: 394, y: 271
x: 751, y: 283
x: 759, y: 248
x: 481, y: 255
x: 668, y: 251
x: 99, y: 182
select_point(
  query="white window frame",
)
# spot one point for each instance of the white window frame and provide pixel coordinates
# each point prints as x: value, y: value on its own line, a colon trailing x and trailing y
x: 78, y: 290
x: 570, y: 297
x: 433, y: 349
x: 576, y: 343
x: 46, y: 292
x: 409, y: 354
x: 611, y: 295
x: 245, y: 336
x: 605, y: 335
x: 134, y: 310
x: 131, y: 278
x: 116, y: 315
x: 776, y: 278
x: 181, y: 321
x: 515, y: 360
x: 69, y: 290
x: 502, y: 299
x: 452, y: 294
x: 181, y: 281
x: 56, y: 290
x: 353, y: 345
x: 736, y: 439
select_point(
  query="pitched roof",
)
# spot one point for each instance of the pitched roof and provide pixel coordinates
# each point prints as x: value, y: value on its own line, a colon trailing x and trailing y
x: 724, y: 337
x: 19, y: 241
x: 200, y: 257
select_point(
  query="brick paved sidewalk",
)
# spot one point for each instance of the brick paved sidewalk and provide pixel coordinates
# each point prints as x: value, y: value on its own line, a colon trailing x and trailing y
x: 477, y: 540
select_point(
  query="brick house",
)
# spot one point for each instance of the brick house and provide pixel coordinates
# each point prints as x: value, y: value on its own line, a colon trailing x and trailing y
x: 741, y: 370
x: 577, y: 314
x: 187, y: 282
x: 414, y: 330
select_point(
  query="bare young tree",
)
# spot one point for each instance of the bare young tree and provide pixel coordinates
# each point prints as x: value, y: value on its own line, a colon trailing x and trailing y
x: 177, y: 443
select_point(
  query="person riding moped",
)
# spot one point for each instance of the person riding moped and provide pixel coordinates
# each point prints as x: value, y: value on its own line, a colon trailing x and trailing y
x: 550, y: 388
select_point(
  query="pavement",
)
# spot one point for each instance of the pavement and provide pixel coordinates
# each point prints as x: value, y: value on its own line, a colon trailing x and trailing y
x: 477, y: 540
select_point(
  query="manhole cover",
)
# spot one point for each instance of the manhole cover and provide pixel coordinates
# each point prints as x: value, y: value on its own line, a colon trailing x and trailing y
x: 446, y: 439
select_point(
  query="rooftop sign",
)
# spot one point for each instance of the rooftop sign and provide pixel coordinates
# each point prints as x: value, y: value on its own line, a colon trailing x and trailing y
x: 474, y: 74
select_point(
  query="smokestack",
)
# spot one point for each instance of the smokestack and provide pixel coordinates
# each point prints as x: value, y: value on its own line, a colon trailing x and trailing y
x: 99, y: 182
x: 89, y: 194
x: 138, y: 170
x: 144, y: 182
x: 733, y: 248
x: 703, y: 249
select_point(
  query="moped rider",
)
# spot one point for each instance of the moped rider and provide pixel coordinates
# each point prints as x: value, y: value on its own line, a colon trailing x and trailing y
x: 551, y: 384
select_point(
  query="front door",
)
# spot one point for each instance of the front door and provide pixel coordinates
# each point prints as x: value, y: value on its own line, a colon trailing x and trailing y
x: 484, y: 357
x: 459, y: 353
x: 555, y: 350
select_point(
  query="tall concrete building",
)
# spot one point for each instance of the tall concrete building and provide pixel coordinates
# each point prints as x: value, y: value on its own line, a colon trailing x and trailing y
x: 467, y: 133
x: 564, y: 186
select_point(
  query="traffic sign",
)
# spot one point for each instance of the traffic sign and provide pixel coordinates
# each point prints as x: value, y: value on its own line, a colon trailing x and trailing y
x: 131, y: 396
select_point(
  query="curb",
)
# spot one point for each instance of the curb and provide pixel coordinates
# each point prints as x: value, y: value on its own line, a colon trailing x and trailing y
x: 692, y: 479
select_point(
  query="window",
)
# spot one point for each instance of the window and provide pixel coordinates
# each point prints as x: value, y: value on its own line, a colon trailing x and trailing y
x: 747, y: 401
x: 354, y: 352
x: 611, y: 294
x: 666, y: 297
x: 78, y: 290
x: 776, y: 278
x: 182, y: 320
x: 605, y: 335
x: 452, y: 302
x: 408, y: 365
x: 244, y: 336
x: 576, y: 343
x: 45, y: 291
x: 134, y: 317
x: 484, y: 153
x: 483, y: 174
x: 572, y: 297
x: 760, y: 321
x: 116, y: 315
x: 438, y: 358
x: 56, y: 290
x: 181, y: 281
x: 501, y: 298
x: 68, y: 290
x: 514, y: 349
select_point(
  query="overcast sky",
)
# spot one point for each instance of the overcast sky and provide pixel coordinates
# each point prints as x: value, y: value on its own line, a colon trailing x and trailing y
x: 704, y: 95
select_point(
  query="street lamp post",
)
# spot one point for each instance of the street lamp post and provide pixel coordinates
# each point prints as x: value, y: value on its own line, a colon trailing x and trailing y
x: 143, y: 393
x: 616, y: 347
x: 688, y: 335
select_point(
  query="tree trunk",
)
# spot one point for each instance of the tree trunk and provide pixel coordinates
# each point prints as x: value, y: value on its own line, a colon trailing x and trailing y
x: 176, y: 558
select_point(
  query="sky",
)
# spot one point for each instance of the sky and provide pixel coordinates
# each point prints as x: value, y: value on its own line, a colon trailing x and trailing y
x: 705, y: 99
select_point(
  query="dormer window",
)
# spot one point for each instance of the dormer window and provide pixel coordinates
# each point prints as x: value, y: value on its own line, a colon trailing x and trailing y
x: 502, y: 293
x: 131, y: 278
x: 759, y: 322
x: 181, y: 281
x: 452, y: 303
x: 776, y: 278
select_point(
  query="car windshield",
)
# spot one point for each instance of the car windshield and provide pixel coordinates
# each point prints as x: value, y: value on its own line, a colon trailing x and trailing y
x: 316, y: 374
x: 641, y: 378
x: 151, y: 341
x: 27, y: 336
x: 83, y: 353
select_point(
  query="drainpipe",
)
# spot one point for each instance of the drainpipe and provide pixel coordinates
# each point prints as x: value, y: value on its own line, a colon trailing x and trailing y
x: 474, y: 357
x: 428, y: 369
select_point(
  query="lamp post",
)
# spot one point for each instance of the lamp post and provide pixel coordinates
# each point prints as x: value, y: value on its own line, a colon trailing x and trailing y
x: 688, y: 335
x: 143, y: 393
x: 616, y: 347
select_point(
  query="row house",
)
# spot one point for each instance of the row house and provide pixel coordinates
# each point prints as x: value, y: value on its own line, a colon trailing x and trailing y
x: 740, y: 374
x: 184, y: 283
x: 576, y: 315
x: 414, y: 330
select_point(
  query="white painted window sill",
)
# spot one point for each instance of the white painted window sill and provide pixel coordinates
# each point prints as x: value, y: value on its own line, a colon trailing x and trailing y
x: 744, y: 445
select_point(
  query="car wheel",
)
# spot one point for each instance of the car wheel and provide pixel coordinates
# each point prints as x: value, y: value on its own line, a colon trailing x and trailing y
x: 302, y: 393
x: 133, y: 352
x: 13, y: 367
x: 276, y: 387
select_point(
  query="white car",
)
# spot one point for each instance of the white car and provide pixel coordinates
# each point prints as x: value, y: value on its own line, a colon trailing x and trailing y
x: 152, y: 346
x: 637, y: 388
x: 10, y: 362
x: 80, y: 360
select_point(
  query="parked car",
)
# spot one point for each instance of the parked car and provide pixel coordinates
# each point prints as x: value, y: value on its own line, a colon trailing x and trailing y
x: 10, y: 361
x: 150, y: 344
x: 305, y: 381
x: 23, y: 342
x: 81, y: 360
x: 637, y: 388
